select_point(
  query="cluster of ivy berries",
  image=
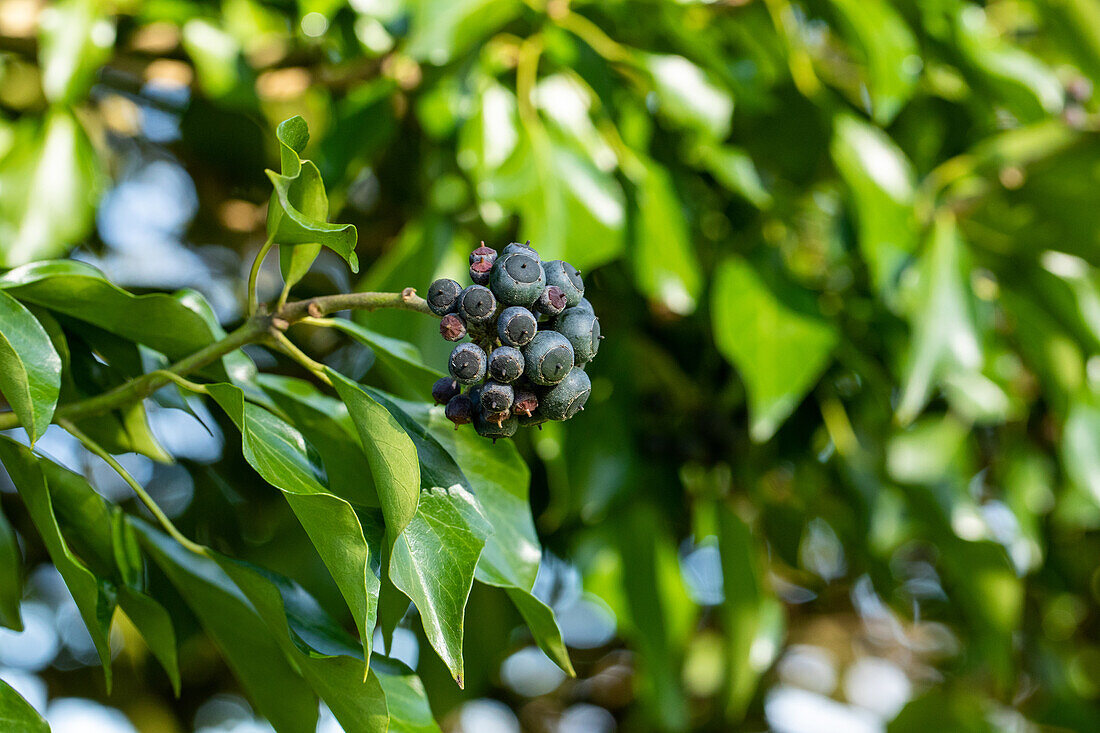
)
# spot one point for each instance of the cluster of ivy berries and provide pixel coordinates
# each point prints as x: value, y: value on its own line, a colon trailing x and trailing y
x: 531, y: 334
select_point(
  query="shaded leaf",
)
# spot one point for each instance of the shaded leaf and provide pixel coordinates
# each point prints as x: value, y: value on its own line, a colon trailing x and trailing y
x: 95, y: 599
x: 11, y: 577
x: 405, y: 698
x: 778, y: 350
x: 665, y: 266
x: 276, y: 690
x: 399, y: 363
x: 16, y: 714
x: 30, y: 368
x: 279, y: 454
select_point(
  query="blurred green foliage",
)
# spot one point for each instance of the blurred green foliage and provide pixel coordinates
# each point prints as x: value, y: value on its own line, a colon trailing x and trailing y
x: 845, y: 254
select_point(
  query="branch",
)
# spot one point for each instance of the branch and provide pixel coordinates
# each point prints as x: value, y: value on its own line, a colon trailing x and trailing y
x: 322, y: 306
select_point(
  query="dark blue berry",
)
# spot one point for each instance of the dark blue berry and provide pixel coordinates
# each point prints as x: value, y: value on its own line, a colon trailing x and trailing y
x: 444, y: 390
x: 459, y: 410
x: 496, y: 397
x: 517, y: 279
x: 443, y: 296
x: 516, y: 326
x: 548, y: 358
x: 583, y: 331
x: 565, y: 276
x: 505, y: 364
x: 467, y: 363
x: 563, y: 400
x: 477, y: 304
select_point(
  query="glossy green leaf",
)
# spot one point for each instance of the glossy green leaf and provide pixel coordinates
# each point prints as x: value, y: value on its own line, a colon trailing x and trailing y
x: 30, y: 368
x: 889, y: 51
x: 306, y: 193
x: 665, y: 266
x: 277, y: 690
x: 398, y: 362
x: 11, y: 577
x: 498, y: 478
x: 279, y: 453
x: 881, y: 182
x: 778, y: 349
x: 95, y: 599
x: 51, y: 177
x: 98, y: 537
x: 168, y: 323
x: 351, y: 691
x: 390, y: 452
x: 945, y: 337
x: 406, y: 698
x: 327, y: 426
x: 433, y: 563
x: 442, y: 29
x: 297, y: 214
x: 689, y: 96
x: 16, y: 714
x: 489, y: 137
x: 76, y: 38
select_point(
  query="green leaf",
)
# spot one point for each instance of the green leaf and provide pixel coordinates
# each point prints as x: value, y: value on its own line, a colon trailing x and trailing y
x: 945, y: 338
x: 278, y: 452
x: 51, y: 177
x: 95, y: 599
x: 779, y: 350
x: 498, y: 477
x: 1029, y: 89
x: 688, y: 96
x: 306, y: 194
x: 665, y: 266
x: 741, y: 609
x: 216, y: 56
x: 1080, y: 447
x: 405, y: 697
x: 167, y: 323
x: 352, y: 692
x: 399, y: 363
x: 440, y: 30
x: 76, y: 39
x: 11, y: 577
x: 16, y: 714
x: 569, y: 208
x: 327, y: 427
x: 488, y: 138
x: 30, y: 368
x: 433, y: 563
x: 880, y: 179
x: 889, y: 50
x: 98, y: 536
x: 278, y: 692
x: 734, y: 169
x: 298, y: 212
x: 390, y: 452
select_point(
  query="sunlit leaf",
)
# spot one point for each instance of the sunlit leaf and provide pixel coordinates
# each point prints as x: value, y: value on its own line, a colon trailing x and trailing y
x: 688, y: 96
x: 442, y: 29
x: 30, y: 369
x: 945, y: 337
x: 51, y: 178
x: 297, y: 214
x: 76, y: 39
x: 665, y: 266
x: 779, y: 349
x: 433, y: 564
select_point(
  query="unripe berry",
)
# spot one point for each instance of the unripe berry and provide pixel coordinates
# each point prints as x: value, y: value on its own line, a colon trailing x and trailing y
x: 477, y: 304
x: 522, y: 248
x: 583, y: 331
x: 443, y: 296
x: 467, y: 363
x: 495, y: 426
x: 566, y: 277
x: 525, y: 402
x: 452, y: 327
x: 517, y: 279
x: 444, y: 390
x: 563, y: 400
x: 496, y: 397
x: 548, y: 358
x: 459, y: 410
x: 505, y: 364
x: 516, y: 326
x: 551, y: 301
